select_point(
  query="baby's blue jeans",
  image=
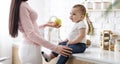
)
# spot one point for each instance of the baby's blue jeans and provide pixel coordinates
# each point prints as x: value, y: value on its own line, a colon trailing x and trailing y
x: 76, y: 48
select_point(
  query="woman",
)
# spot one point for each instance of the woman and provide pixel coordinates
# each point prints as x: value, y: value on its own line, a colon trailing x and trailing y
x: 23, y: 18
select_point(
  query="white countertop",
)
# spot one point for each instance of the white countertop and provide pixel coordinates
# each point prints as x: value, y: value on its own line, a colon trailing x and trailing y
x: 99, y: 56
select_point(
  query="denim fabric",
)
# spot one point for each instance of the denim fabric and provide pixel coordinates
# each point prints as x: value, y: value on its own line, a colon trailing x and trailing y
x: 76, y: 48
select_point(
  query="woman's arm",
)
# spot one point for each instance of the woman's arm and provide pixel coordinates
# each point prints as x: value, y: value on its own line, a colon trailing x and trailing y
x: 29, y: 31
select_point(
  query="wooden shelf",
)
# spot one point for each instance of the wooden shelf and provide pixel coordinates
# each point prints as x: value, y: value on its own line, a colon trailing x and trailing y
x: 99, y: 10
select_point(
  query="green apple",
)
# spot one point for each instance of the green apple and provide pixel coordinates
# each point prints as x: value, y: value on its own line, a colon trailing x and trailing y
x: 58, y: 21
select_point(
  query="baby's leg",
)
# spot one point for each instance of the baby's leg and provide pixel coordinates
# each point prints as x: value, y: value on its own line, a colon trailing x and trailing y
x: 52, y: 54
x: 76, y: 48
x: 48, y: 57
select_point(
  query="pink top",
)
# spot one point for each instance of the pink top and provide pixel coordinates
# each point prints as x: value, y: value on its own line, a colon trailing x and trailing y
x: 29, y: 28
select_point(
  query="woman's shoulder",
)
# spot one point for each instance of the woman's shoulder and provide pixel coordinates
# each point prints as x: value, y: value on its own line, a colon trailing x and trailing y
x: 24, y: 5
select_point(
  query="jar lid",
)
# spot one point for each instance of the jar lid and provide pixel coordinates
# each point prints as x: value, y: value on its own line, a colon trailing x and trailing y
x: 118, y: 40
x: 114, y: 35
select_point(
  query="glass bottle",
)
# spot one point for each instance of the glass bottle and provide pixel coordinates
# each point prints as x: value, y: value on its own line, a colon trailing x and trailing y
x: 117, y: 46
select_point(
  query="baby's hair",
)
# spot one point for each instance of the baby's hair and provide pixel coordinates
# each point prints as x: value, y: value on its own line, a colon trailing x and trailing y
x: 82, y: 9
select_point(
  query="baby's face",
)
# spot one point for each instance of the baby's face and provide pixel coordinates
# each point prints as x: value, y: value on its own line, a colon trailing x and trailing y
x: 75, y: 15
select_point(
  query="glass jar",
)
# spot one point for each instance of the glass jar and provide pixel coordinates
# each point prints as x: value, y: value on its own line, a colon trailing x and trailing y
x: 112, y: 41
x: 117, y: 46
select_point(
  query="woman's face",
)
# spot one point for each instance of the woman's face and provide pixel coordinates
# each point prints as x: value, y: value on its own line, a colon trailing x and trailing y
x: 75, y: 15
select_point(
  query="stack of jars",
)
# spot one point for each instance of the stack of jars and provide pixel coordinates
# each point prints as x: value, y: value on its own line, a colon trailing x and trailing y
x: 105, y: 39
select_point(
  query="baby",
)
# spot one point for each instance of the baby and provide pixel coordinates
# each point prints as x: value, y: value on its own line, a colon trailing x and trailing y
x: 77, y: 37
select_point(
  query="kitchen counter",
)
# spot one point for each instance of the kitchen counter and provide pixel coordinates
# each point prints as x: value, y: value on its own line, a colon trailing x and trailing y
x: 94, y: 55
x: 98, y: 56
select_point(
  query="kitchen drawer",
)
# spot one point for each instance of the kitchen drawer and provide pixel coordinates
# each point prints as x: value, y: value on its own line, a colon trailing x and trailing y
x: 77, y: 61
x: 70, y: 61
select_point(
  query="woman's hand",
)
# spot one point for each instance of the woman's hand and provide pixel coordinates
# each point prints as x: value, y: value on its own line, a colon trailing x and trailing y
x: 63, y: 50
x: 50, y: 24
x: 53, y: 24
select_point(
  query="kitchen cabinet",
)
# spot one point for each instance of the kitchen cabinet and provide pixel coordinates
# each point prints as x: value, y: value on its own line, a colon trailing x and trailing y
x: 78, y: 61
x: 92, y: 55
x: 72, y: 60
x: 15, y: 58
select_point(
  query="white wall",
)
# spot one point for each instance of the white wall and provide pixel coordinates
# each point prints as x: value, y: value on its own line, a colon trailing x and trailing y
x: 100, y: 23
x: 61, y: 9
x: 5, y: 42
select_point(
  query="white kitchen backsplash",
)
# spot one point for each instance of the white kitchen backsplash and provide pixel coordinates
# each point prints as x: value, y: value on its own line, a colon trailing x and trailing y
x: 100, y: 23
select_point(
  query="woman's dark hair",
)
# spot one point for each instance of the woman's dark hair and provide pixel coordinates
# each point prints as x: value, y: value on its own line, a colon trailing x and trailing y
x: 14, y: 17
